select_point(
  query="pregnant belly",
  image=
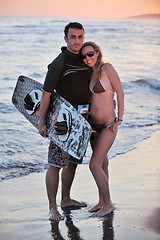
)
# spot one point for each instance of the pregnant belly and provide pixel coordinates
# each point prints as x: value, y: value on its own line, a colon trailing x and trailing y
x: 100, y: 116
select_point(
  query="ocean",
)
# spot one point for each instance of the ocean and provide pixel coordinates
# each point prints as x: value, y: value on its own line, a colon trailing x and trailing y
x: 29, y: 44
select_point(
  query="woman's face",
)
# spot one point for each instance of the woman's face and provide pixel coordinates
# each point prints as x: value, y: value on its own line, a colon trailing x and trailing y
x: 89, y: 56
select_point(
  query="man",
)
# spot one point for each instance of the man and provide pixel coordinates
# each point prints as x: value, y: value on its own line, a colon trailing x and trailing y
x: 68, y: 75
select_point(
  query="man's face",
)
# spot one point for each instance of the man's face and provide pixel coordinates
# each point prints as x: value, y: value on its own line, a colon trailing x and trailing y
x: 74, y: 40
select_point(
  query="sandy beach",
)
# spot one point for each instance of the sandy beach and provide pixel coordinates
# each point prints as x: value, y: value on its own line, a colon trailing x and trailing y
x: 134, y: 185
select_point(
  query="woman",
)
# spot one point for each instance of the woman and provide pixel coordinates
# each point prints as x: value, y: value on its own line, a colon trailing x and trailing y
x: 104, y: 83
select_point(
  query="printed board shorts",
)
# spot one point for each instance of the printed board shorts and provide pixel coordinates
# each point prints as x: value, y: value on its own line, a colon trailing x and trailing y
x: 59, y: 158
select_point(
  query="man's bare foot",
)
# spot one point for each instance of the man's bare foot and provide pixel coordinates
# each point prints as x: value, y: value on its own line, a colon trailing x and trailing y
x: 104, y: 211
x: 73, y: 203
x: 54, y: 215
x: 96, y: 208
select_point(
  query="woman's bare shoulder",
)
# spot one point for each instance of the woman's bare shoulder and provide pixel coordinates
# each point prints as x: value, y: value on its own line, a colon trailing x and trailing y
x: 107, y: 66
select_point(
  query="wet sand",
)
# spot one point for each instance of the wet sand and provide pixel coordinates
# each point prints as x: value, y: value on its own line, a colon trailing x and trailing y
x: 134, y: 185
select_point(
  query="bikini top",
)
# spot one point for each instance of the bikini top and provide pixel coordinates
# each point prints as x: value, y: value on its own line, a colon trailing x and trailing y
x: 99, y: 87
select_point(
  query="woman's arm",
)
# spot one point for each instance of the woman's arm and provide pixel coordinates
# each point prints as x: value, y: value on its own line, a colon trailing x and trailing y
x: 117, y: 87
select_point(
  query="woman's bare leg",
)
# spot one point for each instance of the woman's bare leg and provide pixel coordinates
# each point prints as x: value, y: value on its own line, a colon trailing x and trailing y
x: 101, y: 148
x: 99, y: 205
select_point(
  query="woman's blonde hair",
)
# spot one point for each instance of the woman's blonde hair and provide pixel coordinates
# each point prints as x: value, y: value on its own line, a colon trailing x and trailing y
x: 100, y: 62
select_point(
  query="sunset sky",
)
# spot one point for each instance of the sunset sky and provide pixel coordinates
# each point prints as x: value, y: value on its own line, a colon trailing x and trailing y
x: 82, y: 8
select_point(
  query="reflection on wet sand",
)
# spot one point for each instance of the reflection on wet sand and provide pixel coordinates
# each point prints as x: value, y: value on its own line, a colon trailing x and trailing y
x: 107, y: 224
x: 74, y: 232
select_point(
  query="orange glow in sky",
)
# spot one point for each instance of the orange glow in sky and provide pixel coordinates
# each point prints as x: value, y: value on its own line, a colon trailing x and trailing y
x: 82, y: 8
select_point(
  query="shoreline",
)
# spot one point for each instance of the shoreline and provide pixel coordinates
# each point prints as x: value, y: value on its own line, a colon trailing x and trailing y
x: 134, y: 187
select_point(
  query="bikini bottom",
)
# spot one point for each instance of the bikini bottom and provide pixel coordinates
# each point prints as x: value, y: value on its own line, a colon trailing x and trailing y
x: 96, y: 126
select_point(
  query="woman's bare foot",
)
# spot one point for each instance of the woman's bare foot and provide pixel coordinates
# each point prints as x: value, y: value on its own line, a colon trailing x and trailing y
x: 96, y: 208
x: 73, y: 203
x: 54, y: 215
x: 104, y: 210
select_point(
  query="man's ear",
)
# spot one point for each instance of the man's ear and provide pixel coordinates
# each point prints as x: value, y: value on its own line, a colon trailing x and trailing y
x: 65, y: 38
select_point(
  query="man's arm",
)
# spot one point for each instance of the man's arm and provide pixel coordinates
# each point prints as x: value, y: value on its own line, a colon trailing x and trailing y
x: 45, y: 102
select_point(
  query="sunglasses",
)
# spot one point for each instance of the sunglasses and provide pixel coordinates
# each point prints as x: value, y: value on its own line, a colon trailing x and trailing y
x: 89, y: 54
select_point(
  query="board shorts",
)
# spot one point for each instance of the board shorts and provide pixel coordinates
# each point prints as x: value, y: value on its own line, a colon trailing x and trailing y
x: 59, y: 158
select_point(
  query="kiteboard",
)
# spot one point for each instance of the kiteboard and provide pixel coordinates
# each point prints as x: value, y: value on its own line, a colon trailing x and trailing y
x: 66, y: 127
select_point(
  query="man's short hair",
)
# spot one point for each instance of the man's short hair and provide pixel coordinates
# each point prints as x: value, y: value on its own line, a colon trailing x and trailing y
x: 74, y: 25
